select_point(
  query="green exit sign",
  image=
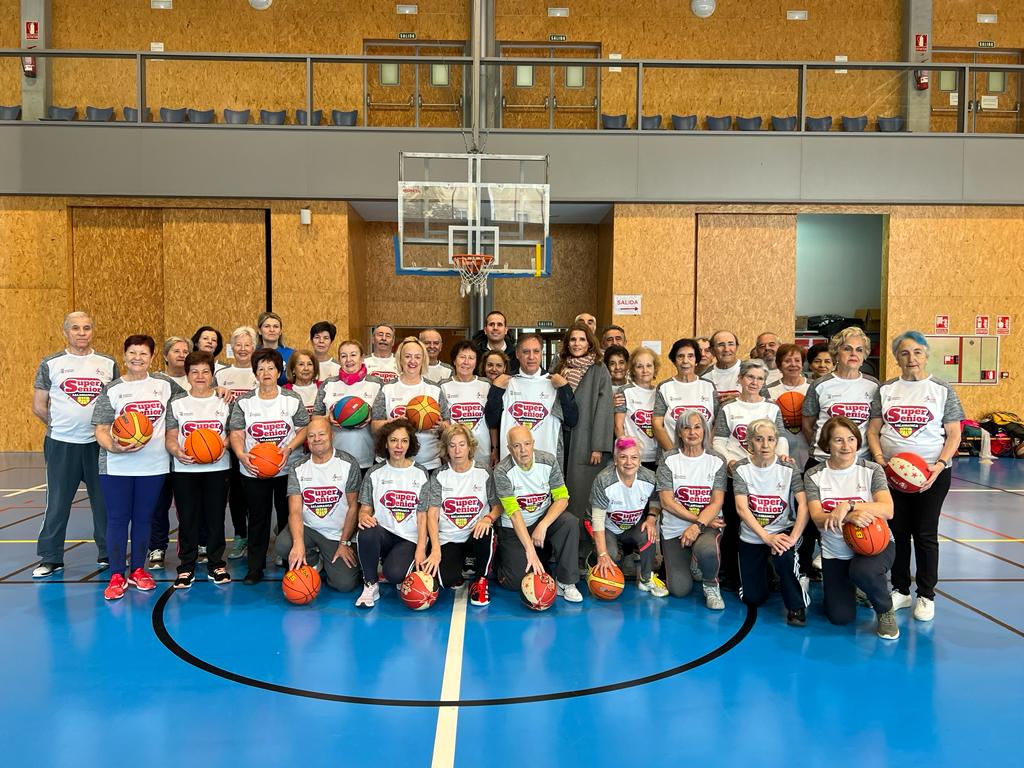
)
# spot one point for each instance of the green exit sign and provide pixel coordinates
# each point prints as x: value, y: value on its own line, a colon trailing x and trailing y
x: 986, y: 43
x: 406, y: 35
x: 557, y: 38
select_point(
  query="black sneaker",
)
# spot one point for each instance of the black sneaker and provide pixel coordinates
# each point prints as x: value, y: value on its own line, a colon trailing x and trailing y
x: 44, y: 570
x: 253, y: 577
x: 219, y: 576
x: 184, y: 580
x: 814, y: 574
x: 103, y: 562
x: 797, y: 618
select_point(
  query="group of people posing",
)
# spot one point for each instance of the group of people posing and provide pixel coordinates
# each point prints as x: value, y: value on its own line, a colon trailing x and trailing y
x: 737, y: 475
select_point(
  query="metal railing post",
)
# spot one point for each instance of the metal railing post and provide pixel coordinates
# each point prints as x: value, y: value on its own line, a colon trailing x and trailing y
x: 801, y: 97
x: 140, y: 87
x: 309, y: 92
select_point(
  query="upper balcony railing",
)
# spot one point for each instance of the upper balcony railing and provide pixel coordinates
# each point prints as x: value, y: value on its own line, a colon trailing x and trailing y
x: 290, y: 91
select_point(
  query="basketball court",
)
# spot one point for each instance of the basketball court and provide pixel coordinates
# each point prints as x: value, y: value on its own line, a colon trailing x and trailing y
x: 235, y: 674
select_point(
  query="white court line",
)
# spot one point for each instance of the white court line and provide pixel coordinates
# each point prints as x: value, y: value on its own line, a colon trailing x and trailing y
x: 986, y: 490
x: 451, y: 683
x: 26, y: 490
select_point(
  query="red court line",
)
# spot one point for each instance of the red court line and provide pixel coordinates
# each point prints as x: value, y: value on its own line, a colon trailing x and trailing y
x: 979, y: 527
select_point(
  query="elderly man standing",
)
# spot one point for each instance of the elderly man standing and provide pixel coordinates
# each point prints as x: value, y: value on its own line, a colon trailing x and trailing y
x: 437, y: 371
x: 66, y: 386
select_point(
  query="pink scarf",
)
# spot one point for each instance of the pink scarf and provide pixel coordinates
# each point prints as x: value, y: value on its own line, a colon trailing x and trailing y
x: 352, y: 378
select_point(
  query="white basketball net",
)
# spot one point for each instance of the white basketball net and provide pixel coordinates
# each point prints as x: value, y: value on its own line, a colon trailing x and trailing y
x: 473, y: 271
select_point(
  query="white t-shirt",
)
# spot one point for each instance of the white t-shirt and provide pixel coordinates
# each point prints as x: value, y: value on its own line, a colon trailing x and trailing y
x: 770, y: 493
x: 238, y: 380
x: 725, y: 380
x: 624, y: 505
x: 532, y: 489
x: 798, y: 448
x: 833, y: 487
x: 774, y: 377
x: 674, y: 398
x: 390, y: 404
x: 308, y: 393
x: 187, y: 414
x: 383, y: 368
x: 148, y: 396
x: 731, y: 428
x: 275, y: 420
x: 638, y: 409
x: 73, y: 383
x: 323, y: 489
x: 913, y: 414
x: 328, y: 368
x: 692, y: 480
x: 356, y: 442
x: 531, y: 401
x: 464, y: 403
x: 832, y: 396
x: 461, y: 498
x: 394, y: 495
x: 439, y: 372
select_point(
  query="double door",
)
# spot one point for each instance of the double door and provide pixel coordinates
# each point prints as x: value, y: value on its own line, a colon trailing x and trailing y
x: 551, y: 96
x: 993, y: 97
x: 427, y: 95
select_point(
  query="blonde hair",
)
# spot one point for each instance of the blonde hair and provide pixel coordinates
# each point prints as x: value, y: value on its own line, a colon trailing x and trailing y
x: 454, y: 430
x: 244, y: 330
x: 757, y: 424
x: 402, y: 345
x: 644, y: 351
x: 844, y: 336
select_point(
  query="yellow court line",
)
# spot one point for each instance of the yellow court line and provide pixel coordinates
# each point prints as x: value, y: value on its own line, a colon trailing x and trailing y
x: 944, y: 540
x: 26, y: 490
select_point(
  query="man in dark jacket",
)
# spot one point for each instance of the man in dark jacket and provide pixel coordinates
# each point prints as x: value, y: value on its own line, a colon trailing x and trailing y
x: 493, y: 336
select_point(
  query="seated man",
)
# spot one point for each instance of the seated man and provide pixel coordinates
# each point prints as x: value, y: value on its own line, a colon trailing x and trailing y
x: 322, y: 510
x: 533, y: 495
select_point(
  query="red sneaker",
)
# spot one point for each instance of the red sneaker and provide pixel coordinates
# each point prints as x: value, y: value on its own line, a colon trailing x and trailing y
x: 478, y: 593
x: 116, y: 588
x: 141, y: 580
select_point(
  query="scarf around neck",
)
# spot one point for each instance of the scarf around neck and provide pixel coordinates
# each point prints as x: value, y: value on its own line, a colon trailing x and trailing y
x: 352, y: 378
x: 575, y: 368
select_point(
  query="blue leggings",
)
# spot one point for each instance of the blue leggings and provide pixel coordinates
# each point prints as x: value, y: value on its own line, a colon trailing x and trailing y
x: 129, y: 501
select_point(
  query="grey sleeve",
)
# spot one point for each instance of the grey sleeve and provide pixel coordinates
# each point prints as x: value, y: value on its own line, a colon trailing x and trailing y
x: 492, y: 491
x: 116, y: 372
x: 621, y: 408
x: 721, y: 423
x: 355, y: 475
x: 556, y: 479
x: 301, y: 415
x: 811, y: 485
x: 780, y: 426
x: 878, y: 481
x: 379, y: 412
x: 664, y: 477
x: 366, y: 490
x: 876, y: 405
x: 103, y: 413
x: 660, y: 406
x: 721, y: 477
x: 236, y: 420
x: 598, y: 497
x: 502, y: 485
x: 811, y: 406
x: 739, y: 483
x: 442, y: 401
x: 430, y: 494
x: 319, y: 408
x: 293, y: 483
x: 170, y: 420
x: 796, y: 482
x: 42, y: 380
x: 953, y: 410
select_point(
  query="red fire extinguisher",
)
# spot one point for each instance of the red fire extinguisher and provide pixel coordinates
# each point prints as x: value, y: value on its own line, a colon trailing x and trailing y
x: 921, y: 79
x: 28, y: 64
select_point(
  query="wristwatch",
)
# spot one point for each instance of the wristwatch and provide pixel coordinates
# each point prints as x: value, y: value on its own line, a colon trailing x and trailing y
x: 701, y: 526
x: 347, y: 543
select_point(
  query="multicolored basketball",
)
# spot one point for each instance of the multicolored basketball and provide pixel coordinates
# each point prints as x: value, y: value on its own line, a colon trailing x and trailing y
x: 791, y: 403
x: 537, y: 591
x: 418, y: 591
x: 350, y: 412
x: 204, y: 446
x: 907, y: 472
x: 869, y: 540
x: 424, y: 412
x: 301, y: 585
x: 131, y: 428
x: 606, y: 587
x: 267, y: 459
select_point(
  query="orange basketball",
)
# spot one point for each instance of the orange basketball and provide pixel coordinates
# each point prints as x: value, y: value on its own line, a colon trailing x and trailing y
x: 301, y: 585
x: 418, y: 591
x: 537, y: 591
x: 424, y: 412
x: 267, y: 459
x: 204, y: 446
x: 131, y: 428
x: 790, y: 403
x: 606, y: 587
x: 869, y: 540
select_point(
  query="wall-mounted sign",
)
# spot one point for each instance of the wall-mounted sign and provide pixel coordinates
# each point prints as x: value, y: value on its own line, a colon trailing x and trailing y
x: 986, y: 43
x: 557, y: 38
x: 981, y: 325
x: 1002, y: 325
x: 921, y: 43
x: 942, y: 323
x: 628, y: 303
x: 406, y: 35
x: 31, y: 30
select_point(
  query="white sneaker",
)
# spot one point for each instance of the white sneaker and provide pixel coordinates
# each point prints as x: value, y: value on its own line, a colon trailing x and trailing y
x: 816, y: 561
x: 653, y: 585
x: 924, y: 609
x: 369, y: 596
x: 156, y: 558
x: 901, y: 601
x: 568, y: 592
x: 713, y: 598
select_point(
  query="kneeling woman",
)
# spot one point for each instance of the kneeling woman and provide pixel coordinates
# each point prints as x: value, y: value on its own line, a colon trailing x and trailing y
x: 461, y: 507
x: 389, y: 527
x: 691, y: 484
x: 845, y: 489
x: 766, y: 492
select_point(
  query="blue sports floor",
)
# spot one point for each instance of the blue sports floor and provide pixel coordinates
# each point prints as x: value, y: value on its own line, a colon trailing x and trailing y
x: 235, y: 676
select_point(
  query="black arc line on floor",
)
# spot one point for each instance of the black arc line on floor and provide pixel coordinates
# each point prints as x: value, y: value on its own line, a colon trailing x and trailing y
x: 169, y: 642
x: 980, y: 612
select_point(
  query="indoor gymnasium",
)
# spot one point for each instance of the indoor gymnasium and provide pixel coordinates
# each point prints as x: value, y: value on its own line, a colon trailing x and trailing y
x: 462, y: 382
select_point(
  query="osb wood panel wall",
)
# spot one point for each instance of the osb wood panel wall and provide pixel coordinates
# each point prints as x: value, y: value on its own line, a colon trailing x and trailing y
x: 10, y: 69
x: 867, y: 30
x: 955, y: 23
x: 289, y: 26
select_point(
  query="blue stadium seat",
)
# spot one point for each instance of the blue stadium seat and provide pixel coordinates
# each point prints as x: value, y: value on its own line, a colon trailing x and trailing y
x: 784, y: 123
x: 63, y: 113
x: 131, y: 115
x: 99, y: 114
x: 237, y: 116
x: 819, y: 123
x: 200, y: 115
x: 650, y: 122
x: 10, y: 113
x: 613, y: 122
x: 300, y: 116
x: 723, y: 123
x: 268, y: 117
x: 855, y: 124
x: 890, y: 124
x: 748, y: 123
x: 168, y: 115
x: 684, y: 122
x: 343, y: 118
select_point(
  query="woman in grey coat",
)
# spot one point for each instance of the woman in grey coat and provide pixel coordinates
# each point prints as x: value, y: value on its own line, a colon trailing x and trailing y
x: 588, y: 445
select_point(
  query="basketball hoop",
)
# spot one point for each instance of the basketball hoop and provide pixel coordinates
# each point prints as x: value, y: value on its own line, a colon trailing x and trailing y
x: 473, y: 271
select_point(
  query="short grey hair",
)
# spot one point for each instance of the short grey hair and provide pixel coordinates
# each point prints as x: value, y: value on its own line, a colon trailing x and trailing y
x: 756, y: 424
x: 754, y: 362
x: 70, y: 315
x: 172, y: 340
x: 244, y: 330
x: 915, y: 336
x: 684, y: 419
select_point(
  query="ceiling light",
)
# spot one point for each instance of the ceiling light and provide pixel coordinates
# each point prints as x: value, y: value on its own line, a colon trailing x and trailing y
x: 161, y: 5
x: 988, y: 18
x: 796, y: 15
x: 260, y: 5
x: 702, y: 8
x: 558, y: 12
x: 407, y: 10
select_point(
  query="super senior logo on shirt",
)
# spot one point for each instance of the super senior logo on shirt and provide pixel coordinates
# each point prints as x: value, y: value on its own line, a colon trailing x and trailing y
x: 528, y: 414
x: 321, y: 500
x: 82, y: 390
x: 400, y: 504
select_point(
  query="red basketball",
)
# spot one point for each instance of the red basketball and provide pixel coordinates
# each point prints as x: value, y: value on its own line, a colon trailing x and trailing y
x: 870, y: 540
x: 606, y: 587
x: 267, y: 459
x: 204, y: 446
x: 907, y: 472
x: 301, y: 585
x: 131, y: 428
x: 418, y: 591
x: 424, y: 412
x: 537, y: 591
x: 791, y: 403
